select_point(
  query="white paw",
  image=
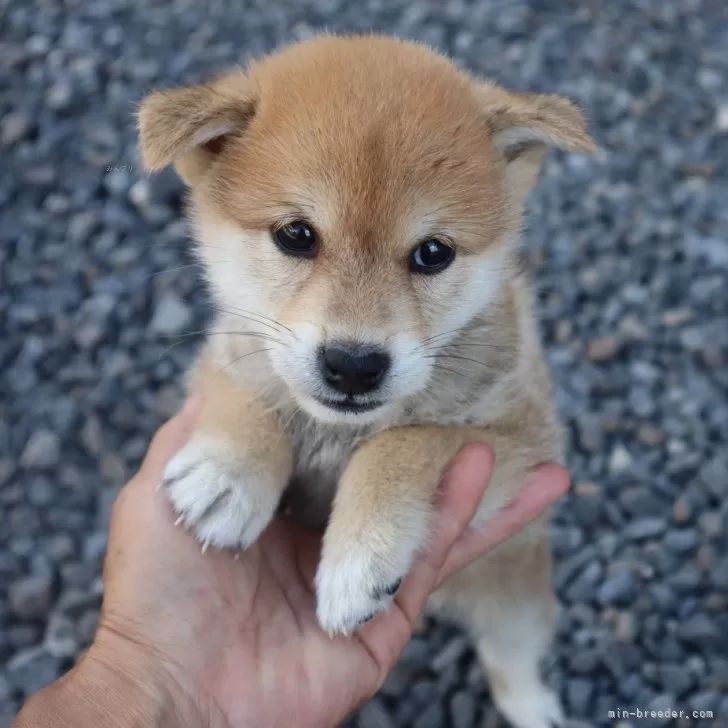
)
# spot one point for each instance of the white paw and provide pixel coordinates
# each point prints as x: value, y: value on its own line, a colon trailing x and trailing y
x: 352, y: 592
x: 216, y: 496
x: 531, y: 706
x: 357, y: 579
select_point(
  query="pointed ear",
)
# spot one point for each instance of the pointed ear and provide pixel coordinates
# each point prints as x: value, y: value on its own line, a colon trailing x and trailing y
x: 523, y: 125
x: 188, y: 126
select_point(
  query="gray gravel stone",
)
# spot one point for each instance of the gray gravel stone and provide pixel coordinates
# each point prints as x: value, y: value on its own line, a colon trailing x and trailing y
x: 620, y: 460
x: 586, y: 584
x: 15, y: 127
x: 94, y: 548
x: 75, y: 602
x: 662, y: 705
x: 705, y: 701
x: 60, y: 639
x: 682, y: 541
x: 450, y: 654
x: 566, y: 539
x: 712, y: 523
x: 645, y: 528
x: 627, y: 627
x: 699, y: 631
x: 32, y: 669
x: 86, y: 627
x: 398, y: 679
x: 42, y: 492
x: 374, y: 715
x: 719, y: 576
x: 619, y: 589
x: 5, y: 690
x: 171, y: 315
x: 31, y: 597
x: 715, y: 472
x: 20, y: 636
x: 417, y: 651
x: 584, y: 661
x: 590, y: 433
x: 579, y: 694
x: 686, y: 579
x: 640, y: 502
x: 43, y: 450
x: 676, y: 679
x: 431, y: 717
x: 60, y: 96
x: 631, y: 686
x: 463, y: 710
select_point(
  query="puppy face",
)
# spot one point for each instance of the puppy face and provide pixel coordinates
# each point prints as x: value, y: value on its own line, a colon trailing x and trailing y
x: 357, y: 198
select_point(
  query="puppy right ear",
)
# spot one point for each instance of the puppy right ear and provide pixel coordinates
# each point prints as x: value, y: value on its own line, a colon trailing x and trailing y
x: 523, y: 125
x: 189, y: 126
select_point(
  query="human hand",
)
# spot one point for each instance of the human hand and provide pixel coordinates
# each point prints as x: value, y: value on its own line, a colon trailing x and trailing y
x: 230, y: 638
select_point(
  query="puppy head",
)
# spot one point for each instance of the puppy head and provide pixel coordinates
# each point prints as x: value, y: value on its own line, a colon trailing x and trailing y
x: 363, y: 193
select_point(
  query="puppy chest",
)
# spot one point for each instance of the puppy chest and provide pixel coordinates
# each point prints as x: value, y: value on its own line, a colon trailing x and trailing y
x: 321, y: 453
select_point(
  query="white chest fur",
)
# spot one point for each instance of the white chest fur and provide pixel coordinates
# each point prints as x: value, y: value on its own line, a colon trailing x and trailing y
x: 321, y: 453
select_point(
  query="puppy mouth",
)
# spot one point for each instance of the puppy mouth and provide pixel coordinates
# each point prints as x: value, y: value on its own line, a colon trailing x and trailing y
x: 349, y: 405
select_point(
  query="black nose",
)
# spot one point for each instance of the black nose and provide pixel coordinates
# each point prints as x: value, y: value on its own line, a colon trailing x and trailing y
x: 353, y: 369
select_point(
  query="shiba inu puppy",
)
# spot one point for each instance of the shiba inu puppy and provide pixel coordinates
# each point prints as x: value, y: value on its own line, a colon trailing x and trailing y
x: 357, y: 203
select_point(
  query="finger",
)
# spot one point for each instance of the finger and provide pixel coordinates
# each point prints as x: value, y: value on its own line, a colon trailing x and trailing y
x: 545, y: 486
x: 462, y: 489
x: 169, y: 439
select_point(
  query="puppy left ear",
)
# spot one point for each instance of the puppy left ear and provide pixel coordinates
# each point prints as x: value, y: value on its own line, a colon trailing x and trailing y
x: 523, y: 125
x: 188, y: 126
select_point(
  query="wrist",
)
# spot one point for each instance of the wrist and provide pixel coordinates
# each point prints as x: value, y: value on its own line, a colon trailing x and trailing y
x: 116, y: 688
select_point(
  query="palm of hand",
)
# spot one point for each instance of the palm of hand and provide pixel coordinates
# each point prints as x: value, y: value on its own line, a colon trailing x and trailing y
x: 273, y: 644
x: 260, y: 656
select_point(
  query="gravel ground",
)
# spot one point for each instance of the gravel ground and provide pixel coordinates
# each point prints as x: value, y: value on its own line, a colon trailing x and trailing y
x: 632, y: 260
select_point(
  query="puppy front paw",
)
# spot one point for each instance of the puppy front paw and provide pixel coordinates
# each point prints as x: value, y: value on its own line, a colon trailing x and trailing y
x: 358, y: 578
x: 351, y: 593
x: 217, y: 496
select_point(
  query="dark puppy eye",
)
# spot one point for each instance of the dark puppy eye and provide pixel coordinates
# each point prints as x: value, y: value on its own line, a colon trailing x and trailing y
x: 432, y: 256
x: 296, y: 238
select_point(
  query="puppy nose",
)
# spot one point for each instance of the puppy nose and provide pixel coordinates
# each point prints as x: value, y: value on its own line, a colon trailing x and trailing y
x: 353, y: 369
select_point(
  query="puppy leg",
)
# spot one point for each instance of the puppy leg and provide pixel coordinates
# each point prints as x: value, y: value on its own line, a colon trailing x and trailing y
x: 505, y: 600
x: 380, y: 520
x: 226, y: 482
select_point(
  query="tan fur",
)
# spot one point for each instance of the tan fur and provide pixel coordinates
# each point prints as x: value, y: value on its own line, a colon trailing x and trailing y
x: 231, y: 412
x: 379, y: 144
